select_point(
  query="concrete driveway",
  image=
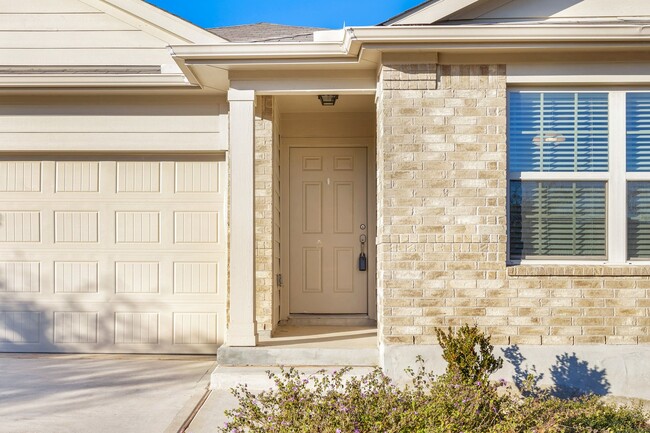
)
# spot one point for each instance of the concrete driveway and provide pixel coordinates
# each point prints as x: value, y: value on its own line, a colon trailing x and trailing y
x: 97, y: 393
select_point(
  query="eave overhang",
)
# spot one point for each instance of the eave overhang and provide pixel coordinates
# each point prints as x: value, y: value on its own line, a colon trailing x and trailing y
x: 94, y: 81
x: 361, y: 48
x: 356, y: 39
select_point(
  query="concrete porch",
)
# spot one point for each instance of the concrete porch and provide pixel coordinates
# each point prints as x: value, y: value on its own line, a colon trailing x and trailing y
x: 312, y: 348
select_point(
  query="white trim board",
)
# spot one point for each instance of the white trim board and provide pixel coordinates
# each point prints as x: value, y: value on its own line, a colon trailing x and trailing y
x: 585, y: 74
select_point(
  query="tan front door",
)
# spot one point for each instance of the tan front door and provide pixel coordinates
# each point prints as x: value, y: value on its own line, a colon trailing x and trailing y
x: 328, y: 214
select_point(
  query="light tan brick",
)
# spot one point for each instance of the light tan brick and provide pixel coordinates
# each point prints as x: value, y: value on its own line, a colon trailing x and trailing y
x: 617, y: 339
x: 442, y: 200
x: 526, y: 339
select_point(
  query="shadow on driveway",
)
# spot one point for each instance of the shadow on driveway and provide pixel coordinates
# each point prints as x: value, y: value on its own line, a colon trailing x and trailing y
x: 98, y: 393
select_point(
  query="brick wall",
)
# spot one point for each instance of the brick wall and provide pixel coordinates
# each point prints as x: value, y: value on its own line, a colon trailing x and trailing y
x: 442, y: 245
x: 263, y: 211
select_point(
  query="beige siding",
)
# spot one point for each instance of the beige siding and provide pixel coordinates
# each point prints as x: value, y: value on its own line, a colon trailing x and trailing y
x: 69, y: 33
x: 328, y: 125
x: 40, y: 6
x: 112, y: 123
x: 535, y: 9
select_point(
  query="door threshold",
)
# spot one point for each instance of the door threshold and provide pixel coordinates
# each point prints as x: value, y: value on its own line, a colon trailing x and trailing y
x: 360, y: 320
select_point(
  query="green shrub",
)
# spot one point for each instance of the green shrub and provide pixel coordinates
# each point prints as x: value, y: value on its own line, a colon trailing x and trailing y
x: 580, y: 415
x: 326, y: 404
x: 460, y: 401
x: 468, y: 354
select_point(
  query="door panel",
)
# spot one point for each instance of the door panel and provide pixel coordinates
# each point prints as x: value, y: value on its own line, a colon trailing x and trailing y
x: 328, y: 206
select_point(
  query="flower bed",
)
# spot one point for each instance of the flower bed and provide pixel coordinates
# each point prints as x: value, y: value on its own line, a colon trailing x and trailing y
x: 462, y: 400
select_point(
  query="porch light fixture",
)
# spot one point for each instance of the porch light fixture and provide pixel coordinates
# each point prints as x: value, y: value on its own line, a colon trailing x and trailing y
x: 328, y: 100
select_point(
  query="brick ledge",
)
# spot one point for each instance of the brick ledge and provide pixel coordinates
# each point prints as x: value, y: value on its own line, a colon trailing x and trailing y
x: 578, y: 271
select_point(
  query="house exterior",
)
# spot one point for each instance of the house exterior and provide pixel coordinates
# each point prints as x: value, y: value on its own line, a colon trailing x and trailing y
x: 167, y: 189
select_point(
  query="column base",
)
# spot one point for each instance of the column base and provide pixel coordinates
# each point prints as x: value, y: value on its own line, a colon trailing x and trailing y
x: 242, y: 335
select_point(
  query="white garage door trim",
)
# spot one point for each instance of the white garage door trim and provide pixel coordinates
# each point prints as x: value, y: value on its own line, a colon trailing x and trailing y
x: 112, y: 253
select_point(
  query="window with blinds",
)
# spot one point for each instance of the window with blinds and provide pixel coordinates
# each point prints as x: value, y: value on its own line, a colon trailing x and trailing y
x: 638, y: 220
x: 638, y: 162
x: 554, y: 215
x: 638, y: 132
x: 556, y: 132
x: 557, y: 219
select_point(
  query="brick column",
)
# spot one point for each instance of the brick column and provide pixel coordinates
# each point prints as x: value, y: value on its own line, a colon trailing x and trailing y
x: 441, y: 198
x: 264, y: 212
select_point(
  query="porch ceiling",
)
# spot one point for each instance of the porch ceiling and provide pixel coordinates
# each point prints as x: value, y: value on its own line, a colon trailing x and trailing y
x: 311, y: 104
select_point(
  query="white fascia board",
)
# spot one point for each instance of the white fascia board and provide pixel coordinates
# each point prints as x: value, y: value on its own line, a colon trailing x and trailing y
x: 155, y: 21
x: 432, y: 13
x: 503, y: 33
x: 77, y: 80
x: 285, y: 50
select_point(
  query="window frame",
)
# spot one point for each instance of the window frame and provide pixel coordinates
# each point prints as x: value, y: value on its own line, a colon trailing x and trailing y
x: 616, y: 178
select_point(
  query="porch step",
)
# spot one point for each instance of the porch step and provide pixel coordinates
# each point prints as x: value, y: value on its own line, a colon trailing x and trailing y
x: 299, y: 356
x: 257, y: 379
x: 354, y: 320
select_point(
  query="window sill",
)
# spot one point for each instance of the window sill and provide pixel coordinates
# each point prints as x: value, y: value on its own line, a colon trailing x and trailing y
x: 562, y: 270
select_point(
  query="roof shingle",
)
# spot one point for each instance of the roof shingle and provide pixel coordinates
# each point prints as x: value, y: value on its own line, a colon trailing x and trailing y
x: 266, y: 32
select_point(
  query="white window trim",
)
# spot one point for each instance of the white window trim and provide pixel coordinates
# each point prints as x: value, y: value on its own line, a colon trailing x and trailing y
x: 616, y: 183
x: 616, y: 208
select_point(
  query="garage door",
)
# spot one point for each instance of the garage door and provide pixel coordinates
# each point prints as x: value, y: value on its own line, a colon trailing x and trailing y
x: 112, y: 255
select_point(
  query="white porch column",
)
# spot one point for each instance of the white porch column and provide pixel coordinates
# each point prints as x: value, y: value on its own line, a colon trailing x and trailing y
x: 242, y: 330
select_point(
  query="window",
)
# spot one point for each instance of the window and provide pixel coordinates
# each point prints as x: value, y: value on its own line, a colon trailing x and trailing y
x: 579, y: 175
x: 638, y: 168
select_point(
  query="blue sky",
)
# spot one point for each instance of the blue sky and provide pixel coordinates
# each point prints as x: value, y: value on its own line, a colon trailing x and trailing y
x: 322, y: 13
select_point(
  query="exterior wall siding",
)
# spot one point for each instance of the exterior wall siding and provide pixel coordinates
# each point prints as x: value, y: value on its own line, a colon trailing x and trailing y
x: 264, y: 209
x: 442, y: 226
x: 113, y: 123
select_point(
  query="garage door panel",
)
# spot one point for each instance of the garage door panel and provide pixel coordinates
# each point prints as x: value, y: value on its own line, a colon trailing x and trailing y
x: 137, y: 328
x: 77, y: 176
x: 138, y: 177
x: 76, y: 277
x: 20, y: 276
x: 20, y: 327
x: 20, y: 226
x: 20, y: 176
x: 197, y: 177
x: 137, y: 277
x: 112, y: 256
x: 132, y: 227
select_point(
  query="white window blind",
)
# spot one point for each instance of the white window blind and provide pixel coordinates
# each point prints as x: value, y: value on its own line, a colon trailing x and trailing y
x: 557, y: 219
x: 638, y: 132
x: 638, y: 162
x: 638, y: 220
x: 555, y: 133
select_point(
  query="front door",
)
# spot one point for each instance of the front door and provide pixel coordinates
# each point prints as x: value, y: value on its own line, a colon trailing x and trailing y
x: 328, y: 217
